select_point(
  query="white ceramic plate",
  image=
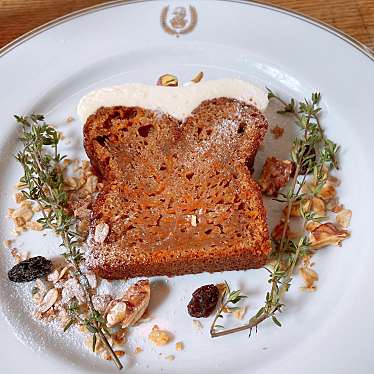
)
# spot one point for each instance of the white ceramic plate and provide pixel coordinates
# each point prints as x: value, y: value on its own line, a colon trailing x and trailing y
x: 48, y: 70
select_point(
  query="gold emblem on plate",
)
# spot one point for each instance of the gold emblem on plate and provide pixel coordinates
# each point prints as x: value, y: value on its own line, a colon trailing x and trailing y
x: 178, y: 21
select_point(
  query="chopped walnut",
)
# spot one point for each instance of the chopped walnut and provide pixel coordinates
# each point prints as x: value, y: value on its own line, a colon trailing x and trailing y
x: 19, y: 197
x: 318, y: 207
x: 311, y: 225
x: 343, y: 218
x: 327, y: 234
x: 33, y: 225
x: 275, y: 175
x: 159, y: 337
x: 277, y: 132
x: 327, y: 192
x: 310, y: 277
x: 24, y: 213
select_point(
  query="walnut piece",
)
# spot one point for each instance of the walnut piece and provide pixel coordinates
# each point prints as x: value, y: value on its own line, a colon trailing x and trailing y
x: 327, y: 234
x: 343, y: 218
x: 275, y: 175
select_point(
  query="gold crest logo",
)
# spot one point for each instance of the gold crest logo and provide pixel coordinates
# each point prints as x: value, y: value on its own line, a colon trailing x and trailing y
x: 178, y: 22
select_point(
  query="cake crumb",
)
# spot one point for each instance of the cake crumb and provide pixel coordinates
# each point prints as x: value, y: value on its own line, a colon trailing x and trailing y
x: 179, y: 346
x: 138, y: 349
x: 158, y: 337
x: 197, y: 324
x: 69, y: 119
x: 277, y: 132
x: 170, y: 358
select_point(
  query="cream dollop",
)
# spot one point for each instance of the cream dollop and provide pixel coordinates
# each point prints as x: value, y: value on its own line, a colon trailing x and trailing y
x: 179, y: 101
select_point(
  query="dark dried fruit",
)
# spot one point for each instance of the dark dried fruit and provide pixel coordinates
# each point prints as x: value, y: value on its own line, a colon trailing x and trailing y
x: 203, y: 302
x: 30, y: 269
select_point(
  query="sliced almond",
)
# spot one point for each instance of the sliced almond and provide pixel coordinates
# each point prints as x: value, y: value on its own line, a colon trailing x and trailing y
x: 54, y: 276
x: 48, y: 301
x: 92, y: 280
x: 63, y: 272
x: 116, y: 314
x: 101, y: 232
x: 137, y: 299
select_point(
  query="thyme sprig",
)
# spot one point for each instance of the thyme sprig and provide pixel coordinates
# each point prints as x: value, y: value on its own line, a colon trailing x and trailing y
x: 227, y: 297
x: 314, y: 153
x: 44, y: 184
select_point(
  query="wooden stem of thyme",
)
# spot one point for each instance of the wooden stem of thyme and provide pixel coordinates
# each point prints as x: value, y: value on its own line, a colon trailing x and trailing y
x: 45, y: 186
x: 314, y: 139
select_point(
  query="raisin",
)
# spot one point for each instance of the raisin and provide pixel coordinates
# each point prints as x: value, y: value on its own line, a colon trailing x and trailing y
x: 203, y: 302
x: 30, y: 269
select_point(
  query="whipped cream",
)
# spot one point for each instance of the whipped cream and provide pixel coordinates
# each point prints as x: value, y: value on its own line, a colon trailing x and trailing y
x: 178, y: 102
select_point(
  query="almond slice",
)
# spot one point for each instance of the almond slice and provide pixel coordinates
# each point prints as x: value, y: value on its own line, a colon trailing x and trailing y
x: 48, y: 301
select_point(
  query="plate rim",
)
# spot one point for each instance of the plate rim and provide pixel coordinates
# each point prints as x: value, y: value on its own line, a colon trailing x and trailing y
x: 365, y: 50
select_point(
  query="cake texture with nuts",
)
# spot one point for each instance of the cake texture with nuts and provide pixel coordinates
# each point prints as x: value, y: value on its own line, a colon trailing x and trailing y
x: 178, y: 196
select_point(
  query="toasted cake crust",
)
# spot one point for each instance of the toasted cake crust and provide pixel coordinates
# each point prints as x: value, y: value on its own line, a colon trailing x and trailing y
x: 178, y: 197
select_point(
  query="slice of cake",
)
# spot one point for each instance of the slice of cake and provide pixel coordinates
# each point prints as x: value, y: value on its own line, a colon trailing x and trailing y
x: 178, y: 196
